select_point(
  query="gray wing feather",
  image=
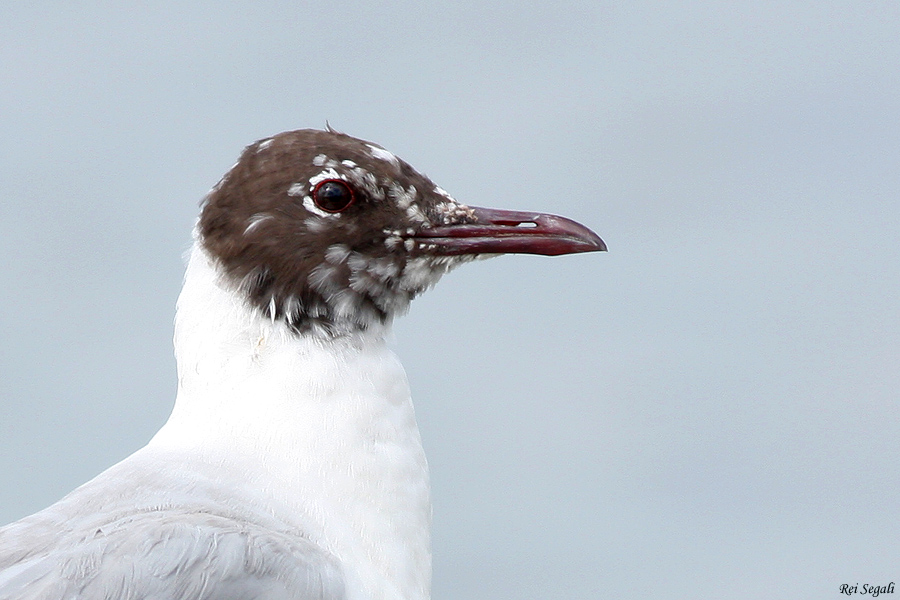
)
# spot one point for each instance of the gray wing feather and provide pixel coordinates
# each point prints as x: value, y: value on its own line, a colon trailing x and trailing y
x: 164, y: 555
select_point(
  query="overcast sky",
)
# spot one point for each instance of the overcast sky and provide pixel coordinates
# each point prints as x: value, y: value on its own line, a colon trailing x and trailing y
x: 710, y: 410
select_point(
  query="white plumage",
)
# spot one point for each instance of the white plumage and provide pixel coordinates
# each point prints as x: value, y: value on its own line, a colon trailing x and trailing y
x: 296, y: 494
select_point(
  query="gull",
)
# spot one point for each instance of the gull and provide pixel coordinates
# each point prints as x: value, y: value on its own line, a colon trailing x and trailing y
x: 291, y: 466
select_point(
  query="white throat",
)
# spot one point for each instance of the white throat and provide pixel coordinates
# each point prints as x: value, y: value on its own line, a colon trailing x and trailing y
x: 318, y: 432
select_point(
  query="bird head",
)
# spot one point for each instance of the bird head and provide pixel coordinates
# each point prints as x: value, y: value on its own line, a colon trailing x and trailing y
x: 330, y: 233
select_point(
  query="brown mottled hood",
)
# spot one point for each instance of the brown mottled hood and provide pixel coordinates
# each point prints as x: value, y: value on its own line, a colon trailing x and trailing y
x: 327, y: 231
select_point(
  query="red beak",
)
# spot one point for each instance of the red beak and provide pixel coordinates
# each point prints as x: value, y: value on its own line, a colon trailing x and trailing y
x: 511, y: 232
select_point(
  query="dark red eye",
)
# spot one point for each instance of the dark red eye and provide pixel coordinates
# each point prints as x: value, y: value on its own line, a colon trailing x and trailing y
x: 333, y: 195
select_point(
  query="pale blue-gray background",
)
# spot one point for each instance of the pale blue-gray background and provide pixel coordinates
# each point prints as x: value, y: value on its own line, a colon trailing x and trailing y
x: 710, y: 410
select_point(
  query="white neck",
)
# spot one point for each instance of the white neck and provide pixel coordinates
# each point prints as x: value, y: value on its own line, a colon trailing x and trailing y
x: 322, y: 430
